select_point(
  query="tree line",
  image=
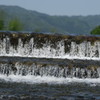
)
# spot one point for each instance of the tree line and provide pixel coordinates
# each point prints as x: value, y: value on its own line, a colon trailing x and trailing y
x: 16, y: 25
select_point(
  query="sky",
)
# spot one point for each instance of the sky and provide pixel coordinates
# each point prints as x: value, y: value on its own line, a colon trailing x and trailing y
x: 58, y: 7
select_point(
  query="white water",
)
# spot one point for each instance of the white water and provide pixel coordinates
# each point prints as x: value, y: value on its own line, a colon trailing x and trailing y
x: 47, y: 74
x: 48, y: 70
x: 84, y: 50
x: 29, y: 79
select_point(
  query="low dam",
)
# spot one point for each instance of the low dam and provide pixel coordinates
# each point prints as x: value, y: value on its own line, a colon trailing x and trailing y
x: 49, y: 67
x: 57, y: 48
x: 49, y: 46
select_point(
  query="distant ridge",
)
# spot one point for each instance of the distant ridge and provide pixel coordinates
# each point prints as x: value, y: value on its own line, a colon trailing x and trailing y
x: 35, y: 21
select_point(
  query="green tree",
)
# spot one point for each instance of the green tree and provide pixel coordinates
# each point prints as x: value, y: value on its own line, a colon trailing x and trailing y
x: 2, y: 17
x: 15, y: 25
x: 96, y: 30
x: 1, y: 24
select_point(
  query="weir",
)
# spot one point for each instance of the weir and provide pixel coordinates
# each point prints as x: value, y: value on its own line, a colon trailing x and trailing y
x: 49, y: 55
x: 49, y: 67
x: 49, y: 46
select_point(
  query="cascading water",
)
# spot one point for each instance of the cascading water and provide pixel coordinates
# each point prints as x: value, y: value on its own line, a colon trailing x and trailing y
x: 49, y: 46
x: 48, y: 70
x: 46, y: 46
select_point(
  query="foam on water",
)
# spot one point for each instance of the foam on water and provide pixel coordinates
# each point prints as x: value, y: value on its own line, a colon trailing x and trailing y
x: 56, y: 57
x: 29, y: 79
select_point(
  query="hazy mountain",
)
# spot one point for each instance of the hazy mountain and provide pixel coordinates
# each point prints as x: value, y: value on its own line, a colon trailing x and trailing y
x: 35, y: 21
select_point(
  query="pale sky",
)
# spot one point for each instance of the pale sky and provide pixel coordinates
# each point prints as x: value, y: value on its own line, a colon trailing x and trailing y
x: 58, y: 7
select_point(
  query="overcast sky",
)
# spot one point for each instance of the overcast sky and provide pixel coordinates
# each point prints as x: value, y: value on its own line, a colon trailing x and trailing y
x: 58, y: 7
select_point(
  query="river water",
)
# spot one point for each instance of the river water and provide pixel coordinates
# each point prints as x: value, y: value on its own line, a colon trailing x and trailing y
x: 48, y: 88
x: 40, y: 86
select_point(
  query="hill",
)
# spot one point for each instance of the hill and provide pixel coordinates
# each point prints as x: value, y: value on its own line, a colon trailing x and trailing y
x: 35, y: 21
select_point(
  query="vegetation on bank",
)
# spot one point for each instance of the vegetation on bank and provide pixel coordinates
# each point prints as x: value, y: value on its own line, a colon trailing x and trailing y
x: 1, y: 24
x: 2, y: 17
x: 13, y: 24
x: 96, y: 30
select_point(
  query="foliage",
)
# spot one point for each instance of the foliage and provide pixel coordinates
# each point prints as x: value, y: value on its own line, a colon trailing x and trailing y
x: 2, y: 17
x: 1, y: 24
x: 96, y: 30
x: 15, y: 25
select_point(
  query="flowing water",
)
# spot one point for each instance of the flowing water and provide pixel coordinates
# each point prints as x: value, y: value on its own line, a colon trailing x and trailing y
x: 49, y: 67
x: 49, y: 46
